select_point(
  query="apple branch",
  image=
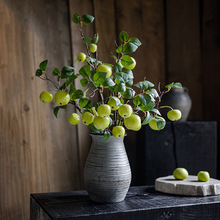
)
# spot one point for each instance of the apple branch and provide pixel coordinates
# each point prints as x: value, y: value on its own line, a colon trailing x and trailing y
x: 83, y: 38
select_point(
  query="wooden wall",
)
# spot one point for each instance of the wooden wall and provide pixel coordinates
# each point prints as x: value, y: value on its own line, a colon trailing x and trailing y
x: 39, y: 153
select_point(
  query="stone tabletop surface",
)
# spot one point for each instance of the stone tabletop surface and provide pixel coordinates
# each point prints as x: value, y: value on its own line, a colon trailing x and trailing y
x: 188, y: 187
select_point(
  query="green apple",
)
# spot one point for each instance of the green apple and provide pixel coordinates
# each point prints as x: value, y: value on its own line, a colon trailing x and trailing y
x: 87, y: 118
x: 133, y: 122
x: 174, y: 114
x: 104, y: 110
x: 61, y: 98
x: 74, y: 119
x: 105, y: 69
x: 101, y: 122
x: 180, y: 173
x: 114, y: 103
x: 153, y: 123
x: 125, y: 111
x: 92, y: 48
x: 131, y: 66
x: 118, y: 131
x: 203, y: 176
x: 46, y: 97
x: 81, y: 57
x: 137, y: 128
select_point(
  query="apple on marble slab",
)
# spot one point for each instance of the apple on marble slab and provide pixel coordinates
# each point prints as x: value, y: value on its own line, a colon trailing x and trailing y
x: 190, y: 186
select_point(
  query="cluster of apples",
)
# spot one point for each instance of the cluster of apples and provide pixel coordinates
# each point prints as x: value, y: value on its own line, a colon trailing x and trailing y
x: 101, y: 118
x: 182, y: 173
x: 61, y: 97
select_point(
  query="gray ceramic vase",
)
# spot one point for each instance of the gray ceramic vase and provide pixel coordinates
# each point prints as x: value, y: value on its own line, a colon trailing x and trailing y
x: 107, y: 173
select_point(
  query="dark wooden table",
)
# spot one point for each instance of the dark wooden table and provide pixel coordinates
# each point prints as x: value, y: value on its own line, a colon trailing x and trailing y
x: 141, y: 203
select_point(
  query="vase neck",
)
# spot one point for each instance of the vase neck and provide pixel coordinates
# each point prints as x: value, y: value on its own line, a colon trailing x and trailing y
x: 112, y: 139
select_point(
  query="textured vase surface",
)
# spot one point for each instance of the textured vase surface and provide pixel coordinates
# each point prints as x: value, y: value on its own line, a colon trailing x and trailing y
x: 107, y: 173
x: 177, y: 99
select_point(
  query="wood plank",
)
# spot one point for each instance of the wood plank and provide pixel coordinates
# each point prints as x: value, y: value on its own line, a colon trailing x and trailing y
x: 145, y: 20
x: 210, y: 63
x: 81, y: 7
x: 105, y: 27
x: 183, y: 50
x: 37, y: 151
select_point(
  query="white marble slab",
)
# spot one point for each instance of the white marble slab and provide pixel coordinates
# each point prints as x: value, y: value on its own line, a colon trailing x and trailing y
x: 188, y: 187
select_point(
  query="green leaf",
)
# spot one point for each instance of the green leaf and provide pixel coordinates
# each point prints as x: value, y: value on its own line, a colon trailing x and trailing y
x: 156, y: 111
x: 69, y: 68
x: 55, y: 72
x: 66, y: 72
x: 84, y: 82
x: 63, y: 86
x: 72, y: 89
x: 38, y: 72
x: 129, y: 48
x: 117, y: 67
x: 147, y: 119
x: 99, y: 78
x: 135, y: 41
x: 95, y: 40
x: 149, y: 107
x: 177, y: 85
x: 108, y: 82
x: 119, y: 49
x: 87, y: 19
x: 145, y: 99
x: 123, y: 36
x: 85, y: 71
x: 68, y: 82
x: 107, y: 135
x: 123, y: 77
x: 169, y: 85
x: 129, y: 83
x: 83, y: 101
x: 56, y: 110
x: 174, y: 85
x: 117, y: 100
x: 93, y: 60
x: 130, y: 73
x: 87, y: 40
x: 120, y: 87
x: 144, y: 85
x: 126, y: 60
x: 43, y: 65
x: 89, y: 105
x: 77, y: 94
x: 153, y: 92
x: 136, y: 101
x: 71, y: 79
x: 129, y: 93
x: 76, y: 18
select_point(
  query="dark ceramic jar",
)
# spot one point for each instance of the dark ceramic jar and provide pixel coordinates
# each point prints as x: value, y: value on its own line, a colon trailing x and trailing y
x: 177, y: 99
